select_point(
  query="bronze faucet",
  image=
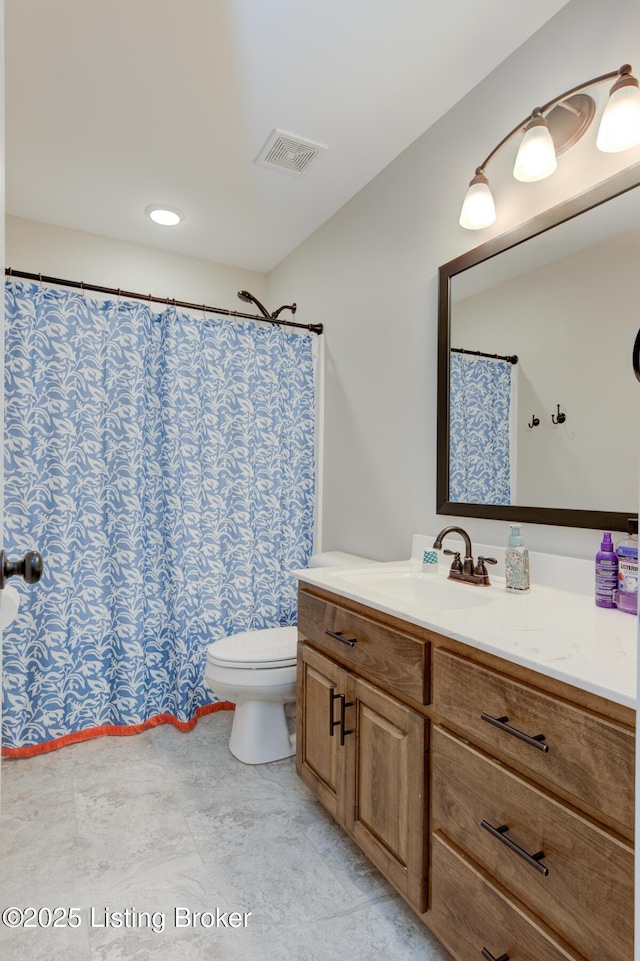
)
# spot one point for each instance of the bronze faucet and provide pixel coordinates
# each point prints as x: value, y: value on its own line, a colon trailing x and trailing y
x: 465, y: 572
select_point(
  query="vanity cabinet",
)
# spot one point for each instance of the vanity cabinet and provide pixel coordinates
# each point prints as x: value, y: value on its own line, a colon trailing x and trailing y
x: 498, y: 801
x: 362, y: 751
x: 537, y: 791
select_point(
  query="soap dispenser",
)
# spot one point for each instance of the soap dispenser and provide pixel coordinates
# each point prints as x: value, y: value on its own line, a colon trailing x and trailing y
x: 516, y: 562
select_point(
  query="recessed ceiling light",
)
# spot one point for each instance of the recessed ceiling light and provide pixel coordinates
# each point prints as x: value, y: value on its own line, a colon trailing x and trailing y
x: 167, y: 216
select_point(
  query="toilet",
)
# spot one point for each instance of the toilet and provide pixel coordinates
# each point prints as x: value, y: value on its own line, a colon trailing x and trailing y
x: 256, y: 671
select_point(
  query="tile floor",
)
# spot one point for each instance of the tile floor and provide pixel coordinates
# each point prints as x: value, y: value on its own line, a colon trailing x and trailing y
x: 165, y: 820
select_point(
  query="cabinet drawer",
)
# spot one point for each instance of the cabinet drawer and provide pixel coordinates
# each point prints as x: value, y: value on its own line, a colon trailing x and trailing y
x: 398, y: 661
x: 587, y: 892
x: 470, y: 914
x: 588, y: 757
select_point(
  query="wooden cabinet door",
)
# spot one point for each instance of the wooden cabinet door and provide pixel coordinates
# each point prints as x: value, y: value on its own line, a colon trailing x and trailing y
x: 320, y: 758
x: 386, y: 787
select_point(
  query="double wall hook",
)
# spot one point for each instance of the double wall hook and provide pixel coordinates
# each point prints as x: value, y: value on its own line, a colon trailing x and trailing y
x: 560, y: 419
x: 534, y: 421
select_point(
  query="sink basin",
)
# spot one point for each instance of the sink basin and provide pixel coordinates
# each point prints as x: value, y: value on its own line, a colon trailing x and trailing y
x: 429, y: 592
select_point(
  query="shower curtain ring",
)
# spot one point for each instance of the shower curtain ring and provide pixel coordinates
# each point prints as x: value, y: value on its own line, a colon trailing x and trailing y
x: 40, y: 279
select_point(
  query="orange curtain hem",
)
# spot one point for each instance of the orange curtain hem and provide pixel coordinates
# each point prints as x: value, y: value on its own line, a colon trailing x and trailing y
x: 116, y: 730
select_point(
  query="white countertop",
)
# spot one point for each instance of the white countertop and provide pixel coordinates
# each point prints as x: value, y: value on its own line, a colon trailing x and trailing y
x: 557, y: 632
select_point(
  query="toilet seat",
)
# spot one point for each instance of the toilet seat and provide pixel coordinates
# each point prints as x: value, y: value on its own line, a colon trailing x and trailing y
x: 273, y: 647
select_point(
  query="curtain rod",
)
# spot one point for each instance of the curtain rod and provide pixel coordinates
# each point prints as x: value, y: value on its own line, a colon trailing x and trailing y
x: 511, y: 358
x: 168, y: 301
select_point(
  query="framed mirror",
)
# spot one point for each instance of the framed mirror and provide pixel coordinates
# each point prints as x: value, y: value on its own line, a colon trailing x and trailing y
x: 537, y: 397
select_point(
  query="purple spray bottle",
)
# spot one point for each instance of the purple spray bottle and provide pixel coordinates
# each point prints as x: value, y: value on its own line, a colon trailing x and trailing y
x: 606, y: 573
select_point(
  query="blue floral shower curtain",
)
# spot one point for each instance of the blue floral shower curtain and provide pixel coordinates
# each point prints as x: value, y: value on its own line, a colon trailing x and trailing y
x: 164, y: 467
x: 479, y: 430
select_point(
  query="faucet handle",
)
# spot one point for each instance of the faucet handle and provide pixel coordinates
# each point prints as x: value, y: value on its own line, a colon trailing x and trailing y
x: 456, y: 564
x: 481, y: 570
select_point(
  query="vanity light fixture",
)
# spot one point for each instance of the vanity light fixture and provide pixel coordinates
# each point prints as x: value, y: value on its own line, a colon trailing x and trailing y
x: 537, y: 155
x: 554, y: 128
x: 166, y: 216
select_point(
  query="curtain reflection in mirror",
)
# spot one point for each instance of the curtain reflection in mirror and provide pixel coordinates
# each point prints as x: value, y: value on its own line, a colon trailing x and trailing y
x: 480, y: 430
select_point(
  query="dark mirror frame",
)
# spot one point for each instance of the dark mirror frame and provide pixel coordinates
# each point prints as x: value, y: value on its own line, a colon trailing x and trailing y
x: 563, y: 517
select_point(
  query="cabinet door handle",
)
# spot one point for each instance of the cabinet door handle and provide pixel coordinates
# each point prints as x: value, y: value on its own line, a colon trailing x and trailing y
x: 332, y: 697
x: 486, y: 954
x: 344, y: 704
x: 535, y: 740
x: 501, y: 834
x: 339, y: 636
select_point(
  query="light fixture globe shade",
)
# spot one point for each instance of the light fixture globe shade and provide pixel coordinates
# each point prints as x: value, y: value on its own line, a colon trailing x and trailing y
x: 478, y: 208
x: 620, y: 124
x: 163, y: 215
x: 537, y: 155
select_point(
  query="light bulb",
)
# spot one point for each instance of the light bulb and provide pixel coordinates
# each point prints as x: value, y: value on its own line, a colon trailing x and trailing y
x: 537, y: 155
x: 620, y: 124
x: 166, y: 216
x: 478, y: 208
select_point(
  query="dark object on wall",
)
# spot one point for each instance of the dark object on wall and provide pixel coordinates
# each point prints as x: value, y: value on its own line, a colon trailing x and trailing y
x: 636, y: 356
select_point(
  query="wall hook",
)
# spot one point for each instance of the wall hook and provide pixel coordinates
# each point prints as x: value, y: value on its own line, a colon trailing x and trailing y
x: 534, y: 421
x: 560, y: 419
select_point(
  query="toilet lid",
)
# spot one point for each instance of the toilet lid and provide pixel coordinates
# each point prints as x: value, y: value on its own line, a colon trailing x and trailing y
x: 271, y: 647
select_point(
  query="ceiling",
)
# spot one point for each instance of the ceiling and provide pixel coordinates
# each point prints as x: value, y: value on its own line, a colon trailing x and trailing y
x: 112, y: 106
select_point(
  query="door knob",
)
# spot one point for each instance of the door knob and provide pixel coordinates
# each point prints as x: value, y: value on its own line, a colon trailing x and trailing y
x: 28, y: 567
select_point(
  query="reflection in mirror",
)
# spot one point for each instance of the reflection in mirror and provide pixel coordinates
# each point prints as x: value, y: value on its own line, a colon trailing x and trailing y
x: 538, y: 412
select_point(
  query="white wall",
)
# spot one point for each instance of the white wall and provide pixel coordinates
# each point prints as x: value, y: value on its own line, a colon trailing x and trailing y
x: 75, y: 255
x: 370, y: 275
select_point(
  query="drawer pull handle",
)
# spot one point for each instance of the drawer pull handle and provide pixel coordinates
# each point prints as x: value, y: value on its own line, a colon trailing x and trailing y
x: 332, y: 697
x: 501, y: 722
x: 489, y: 957
x: 344, y: 704
x: 339, y: 636
x: 501, y: 835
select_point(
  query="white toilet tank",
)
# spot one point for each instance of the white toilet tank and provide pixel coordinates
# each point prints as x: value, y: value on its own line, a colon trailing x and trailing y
x: 339, y: 559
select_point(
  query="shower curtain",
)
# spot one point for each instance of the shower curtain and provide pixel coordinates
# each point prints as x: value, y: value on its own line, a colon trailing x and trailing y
x: 480, y: 417
x: 164, y: 467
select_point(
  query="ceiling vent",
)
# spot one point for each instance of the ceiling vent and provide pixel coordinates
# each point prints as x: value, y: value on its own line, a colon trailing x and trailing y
x: 288, y: 153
